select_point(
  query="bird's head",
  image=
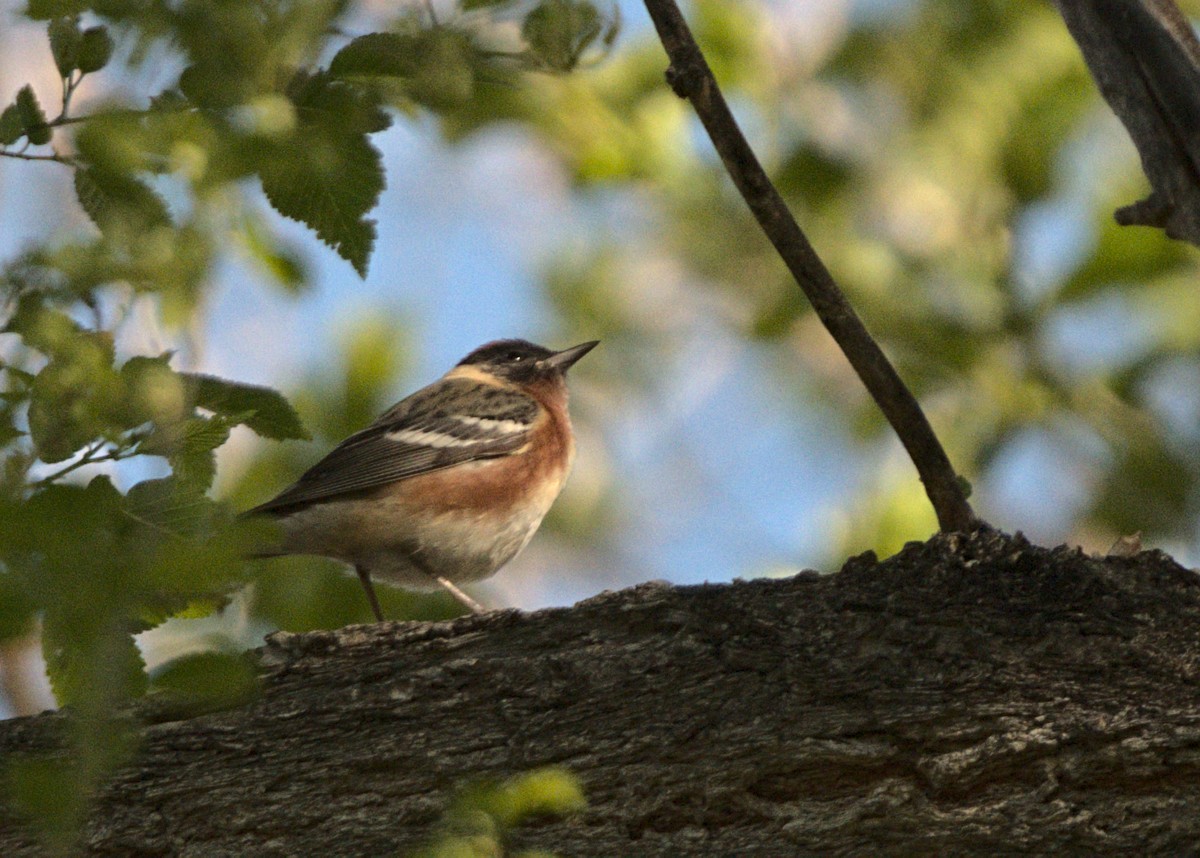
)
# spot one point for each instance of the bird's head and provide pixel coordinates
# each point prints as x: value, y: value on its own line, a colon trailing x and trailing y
x: 523, y: 362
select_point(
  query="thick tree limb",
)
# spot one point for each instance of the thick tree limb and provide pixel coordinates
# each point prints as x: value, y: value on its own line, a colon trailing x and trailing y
x: 972, y: 695
x: 1145, y: 58
x: 691, y: 78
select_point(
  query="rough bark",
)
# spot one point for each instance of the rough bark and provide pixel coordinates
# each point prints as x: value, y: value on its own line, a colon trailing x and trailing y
x: 973, y: 694
x: 1145, y: 59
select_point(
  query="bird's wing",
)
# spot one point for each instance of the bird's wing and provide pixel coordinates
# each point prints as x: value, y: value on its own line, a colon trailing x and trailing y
x: 450, y: 422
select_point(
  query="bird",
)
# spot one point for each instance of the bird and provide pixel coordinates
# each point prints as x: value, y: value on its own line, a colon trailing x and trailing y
x: 448, y: 484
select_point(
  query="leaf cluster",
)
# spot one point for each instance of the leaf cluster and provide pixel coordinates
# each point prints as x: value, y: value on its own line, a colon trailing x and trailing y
x: 273, y: 107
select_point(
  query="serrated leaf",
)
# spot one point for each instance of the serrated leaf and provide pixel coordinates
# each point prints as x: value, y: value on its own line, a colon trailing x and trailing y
x: 95, y: 49
x: 263, y: 409
x: 117, y: 201
x: 329, y: 184
x: 11, y: 126
x: 190, y: 449
x: 170, y: 505
x: 33, y: 118
x: 81, y: 667
x: 65, y: 39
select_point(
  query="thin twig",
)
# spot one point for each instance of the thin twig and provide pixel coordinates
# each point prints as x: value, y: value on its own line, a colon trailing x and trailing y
x: 691, y: 78
x: 56, y: 158
x: 90, y: 456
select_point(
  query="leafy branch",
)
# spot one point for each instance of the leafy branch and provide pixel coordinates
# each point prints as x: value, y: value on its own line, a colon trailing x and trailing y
x: 690, y: 77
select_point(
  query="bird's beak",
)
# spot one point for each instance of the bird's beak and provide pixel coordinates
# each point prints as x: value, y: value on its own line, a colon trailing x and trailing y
x: 562, y: 361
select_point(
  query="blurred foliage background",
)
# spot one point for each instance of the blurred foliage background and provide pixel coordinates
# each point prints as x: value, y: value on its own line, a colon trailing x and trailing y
x: 951, y: 162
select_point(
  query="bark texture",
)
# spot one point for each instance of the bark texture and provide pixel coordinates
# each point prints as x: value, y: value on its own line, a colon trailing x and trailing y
x: 1145, y: 58
x: 973, y: 694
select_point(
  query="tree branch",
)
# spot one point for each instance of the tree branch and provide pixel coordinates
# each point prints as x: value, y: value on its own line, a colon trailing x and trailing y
x: 971, y: 695
x: 1145, y: 59
x: 691, y: 78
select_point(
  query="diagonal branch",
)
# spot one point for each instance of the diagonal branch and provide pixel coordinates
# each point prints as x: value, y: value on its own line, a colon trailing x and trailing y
x: 691, y: 78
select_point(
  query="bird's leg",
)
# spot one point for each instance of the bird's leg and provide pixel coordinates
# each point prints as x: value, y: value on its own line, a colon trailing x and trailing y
x: 454, y: 591
x: 451, y: 588
x: 365, y: 577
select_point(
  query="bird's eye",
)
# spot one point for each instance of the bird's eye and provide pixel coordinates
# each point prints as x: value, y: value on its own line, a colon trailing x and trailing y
x: 514, y: 356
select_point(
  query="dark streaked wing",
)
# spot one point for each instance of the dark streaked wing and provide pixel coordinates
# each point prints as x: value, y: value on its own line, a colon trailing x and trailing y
x: 448, y: 423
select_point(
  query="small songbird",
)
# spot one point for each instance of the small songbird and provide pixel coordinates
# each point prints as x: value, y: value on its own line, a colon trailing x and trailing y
x: 450, y: 483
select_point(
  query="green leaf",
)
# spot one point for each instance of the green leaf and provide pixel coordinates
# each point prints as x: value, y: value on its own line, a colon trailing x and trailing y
x: 326, y: 174
x: 116, y: 201
x: 168, y: 101
x: 334, y: 107
x: 65, y: 39
x: 17, y: 608
x: 100, y: 663
x: 11, y: 126
x: 41, y: 327
x: 551, y: 790
x: 194, y: 460
x: 45, y: 791
x: 436, y: 66
x: 73, y: 397
x: 203, y: 682
x: 208, y: 84
x: 383, y: 54
x: 559, y: 31
x: 482, y: 814
x: 153, y: 392
x: 95, y: 49
x: 33, y: 118
x: 168, y: 504
x: 284, y: 264
x: 44, y: 10
x: 329, y: 187
x: 263, y: 409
